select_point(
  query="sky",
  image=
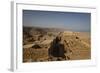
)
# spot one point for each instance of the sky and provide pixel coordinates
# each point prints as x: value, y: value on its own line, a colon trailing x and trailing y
x: 50, y: 19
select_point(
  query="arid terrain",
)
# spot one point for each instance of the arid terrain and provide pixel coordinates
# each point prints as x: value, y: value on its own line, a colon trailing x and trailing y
x: 54, y: 44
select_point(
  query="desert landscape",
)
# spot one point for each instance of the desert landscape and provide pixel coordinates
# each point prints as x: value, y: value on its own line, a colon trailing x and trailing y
x: 56, y: 36
x: 55, y: 44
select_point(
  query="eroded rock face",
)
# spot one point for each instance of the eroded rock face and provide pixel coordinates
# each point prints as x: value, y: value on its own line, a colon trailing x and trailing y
x: 59, y: 48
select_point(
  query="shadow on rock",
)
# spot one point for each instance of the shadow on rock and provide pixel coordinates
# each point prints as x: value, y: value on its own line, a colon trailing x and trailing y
x: 57, y: 49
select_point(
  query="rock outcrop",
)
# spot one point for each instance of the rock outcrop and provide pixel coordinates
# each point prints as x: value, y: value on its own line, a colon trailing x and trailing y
x: 59, y: 48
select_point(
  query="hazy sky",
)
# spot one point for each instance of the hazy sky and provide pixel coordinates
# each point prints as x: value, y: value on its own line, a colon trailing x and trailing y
x: 69, y: 20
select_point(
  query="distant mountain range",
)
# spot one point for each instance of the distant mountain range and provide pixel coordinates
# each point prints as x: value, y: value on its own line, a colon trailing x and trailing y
x: 28, y: 28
